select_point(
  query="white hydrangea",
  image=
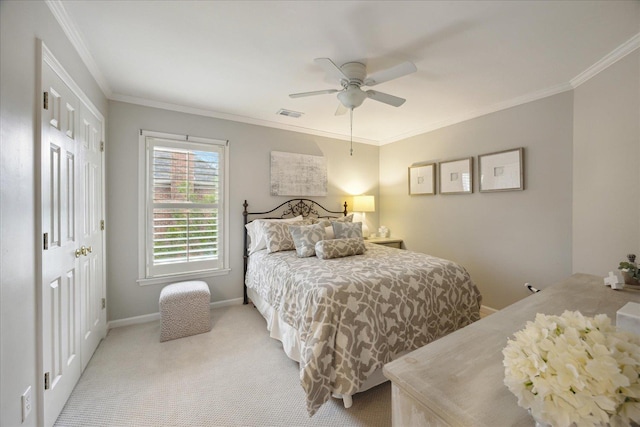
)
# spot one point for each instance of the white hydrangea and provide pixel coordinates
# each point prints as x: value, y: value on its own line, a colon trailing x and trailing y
x: 575, y: 370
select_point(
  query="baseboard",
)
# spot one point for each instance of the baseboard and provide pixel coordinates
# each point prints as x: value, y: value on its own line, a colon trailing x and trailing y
x: 485, y: 311
x: 156, y: 316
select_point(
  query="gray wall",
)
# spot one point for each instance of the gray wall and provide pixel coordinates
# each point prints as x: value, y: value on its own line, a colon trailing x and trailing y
x: 503, y: 239
x: 606, y: 173
x: 21, y: 23
x: 250, y: 148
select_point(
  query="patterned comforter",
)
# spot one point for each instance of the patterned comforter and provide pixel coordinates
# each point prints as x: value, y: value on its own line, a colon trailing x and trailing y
x: 355, y: 314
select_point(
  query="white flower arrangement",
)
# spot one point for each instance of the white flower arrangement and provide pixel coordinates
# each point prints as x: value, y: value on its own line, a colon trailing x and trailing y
x: 575, y: 370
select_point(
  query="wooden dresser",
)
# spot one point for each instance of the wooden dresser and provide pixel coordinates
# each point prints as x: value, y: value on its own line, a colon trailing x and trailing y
x: 458, y: 380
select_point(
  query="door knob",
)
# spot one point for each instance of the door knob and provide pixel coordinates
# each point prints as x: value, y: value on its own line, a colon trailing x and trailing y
x: 84, y: 250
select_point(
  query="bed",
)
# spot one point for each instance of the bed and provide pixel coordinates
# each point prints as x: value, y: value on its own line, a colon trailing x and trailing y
x: 343, y: 318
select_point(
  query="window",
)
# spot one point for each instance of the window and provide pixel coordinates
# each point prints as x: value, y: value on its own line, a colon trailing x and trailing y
x: 184, y: 215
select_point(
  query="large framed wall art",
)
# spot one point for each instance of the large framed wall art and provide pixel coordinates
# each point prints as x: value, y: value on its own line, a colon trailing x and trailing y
x: 295, y: 174
x: 501, y: 171
x: 456, y: 176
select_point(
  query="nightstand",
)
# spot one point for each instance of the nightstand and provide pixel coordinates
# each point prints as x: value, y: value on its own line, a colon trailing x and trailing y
x: 386, y: 241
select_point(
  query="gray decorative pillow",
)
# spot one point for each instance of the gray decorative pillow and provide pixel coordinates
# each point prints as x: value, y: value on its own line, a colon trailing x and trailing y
x: 346, y: 230
x: 336, y: 248
x: 305, y: 238
x: 256, y: 232
x: 277, y: 235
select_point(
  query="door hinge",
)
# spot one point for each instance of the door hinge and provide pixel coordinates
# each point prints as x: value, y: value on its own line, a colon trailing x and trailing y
x: 47, y: 382
x: 102, y: 146
x: 102, y: 224
x: 46, y: 101
x: 45, y: 241
x: 104, y: 303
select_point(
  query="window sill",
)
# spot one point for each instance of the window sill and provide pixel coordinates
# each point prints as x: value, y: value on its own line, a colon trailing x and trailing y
x: 182, y: 277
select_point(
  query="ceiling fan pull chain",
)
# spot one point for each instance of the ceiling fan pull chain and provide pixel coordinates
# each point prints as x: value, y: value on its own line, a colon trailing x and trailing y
x: 351, y: 127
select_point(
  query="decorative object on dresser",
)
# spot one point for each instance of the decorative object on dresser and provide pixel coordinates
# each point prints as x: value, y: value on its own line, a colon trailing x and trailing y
x: 298, y: 174
x: 501, y: 171
x: 422, y: 179
x: 456, y: 176
x: 575, y: 370
x: 364, y: 204
x: 354, y: 306
x: 630, y: 271
x: 438, y: 384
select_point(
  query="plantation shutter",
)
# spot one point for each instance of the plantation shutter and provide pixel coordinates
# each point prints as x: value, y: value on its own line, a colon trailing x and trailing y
x: 184, y: 206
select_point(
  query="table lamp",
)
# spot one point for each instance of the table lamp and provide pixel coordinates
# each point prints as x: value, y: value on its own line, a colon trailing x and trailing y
x: 364, y: 204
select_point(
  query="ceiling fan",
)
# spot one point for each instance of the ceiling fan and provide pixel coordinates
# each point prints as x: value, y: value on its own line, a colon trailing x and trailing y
x: 353, y: 76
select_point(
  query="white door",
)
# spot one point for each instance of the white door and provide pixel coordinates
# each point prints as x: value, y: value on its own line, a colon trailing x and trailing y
x: 60, y: 275
x: 93, y: 314
x: 73, y: 285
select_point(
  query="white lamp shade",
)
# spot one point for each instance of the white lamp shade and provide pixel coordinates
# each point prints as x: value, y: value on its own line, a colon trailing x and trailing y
x: 364, y: 204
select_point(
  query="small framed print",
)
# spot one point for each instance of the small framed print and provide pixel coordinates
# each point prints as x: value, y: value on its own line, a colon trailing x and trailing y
x: 422, y: 179
x: 456, y: 176
x: 501, y: 171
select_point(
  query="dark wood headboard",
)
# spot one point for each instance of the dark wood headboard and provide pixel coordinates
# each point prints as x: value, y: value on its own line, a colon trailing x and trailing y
x: 289, y: 209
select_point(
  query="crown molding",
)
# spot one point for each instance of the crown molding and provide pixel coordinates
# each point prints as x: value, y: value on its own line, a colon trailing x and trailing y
x: 76, y: 39
x: 235, y: 118
x: 614, y: 56
x: 514, y: 102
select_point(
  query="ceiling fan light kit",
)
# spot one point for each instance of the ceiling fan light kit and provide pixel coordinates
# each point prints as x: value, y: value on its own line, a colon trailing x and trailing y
x: 352, y: 97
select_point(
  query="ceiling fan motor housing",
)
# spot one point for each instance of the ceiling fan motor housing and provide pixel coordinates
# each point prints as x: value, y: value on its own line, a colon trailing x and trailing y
x: 356, y: 72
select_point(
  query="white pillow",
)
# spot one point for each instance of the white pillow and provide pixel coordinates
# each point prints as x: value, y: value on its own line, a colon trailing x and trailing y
x: 328, y: 233
x: 257, y: 235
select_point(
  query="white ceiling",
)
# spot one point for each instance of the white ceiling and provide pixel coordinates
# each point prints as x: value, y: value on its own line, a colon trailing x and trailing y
x: 240, y: 59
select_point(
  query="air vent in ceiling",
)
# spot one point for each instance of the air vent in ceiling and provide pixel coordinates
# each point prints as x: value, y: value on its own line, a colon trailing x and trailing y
x: 289, y: 113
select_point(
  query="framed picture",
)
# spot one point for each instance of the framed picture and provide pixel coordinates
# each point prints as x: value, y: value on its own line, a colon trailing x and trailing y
x: 501, y: 171
x: 456, y: 176
x: 295, y: 174
x: 422, y: 179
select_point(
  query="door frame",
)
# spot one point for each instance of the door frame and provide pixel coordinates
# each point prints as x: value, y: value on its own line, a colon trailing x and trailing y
x: 46, y: 58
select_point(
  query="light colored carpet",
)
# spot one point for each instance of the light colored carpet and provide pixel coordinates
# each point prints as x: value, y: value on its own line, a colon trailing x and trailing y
x: 234, y: 375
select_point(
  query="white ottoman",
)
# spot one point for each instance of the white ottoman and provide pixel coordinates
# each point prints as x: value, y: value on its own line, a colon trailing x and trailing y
x: 184, y: 310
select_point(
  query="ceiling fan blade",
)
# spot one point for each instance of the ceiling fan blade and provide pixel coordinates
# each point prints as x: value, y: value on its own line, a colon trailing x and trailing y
x: 341, y: 109
x: 385, y: 97
x: 331, y: 68
x: 316, y: 92
x: 390, y: 74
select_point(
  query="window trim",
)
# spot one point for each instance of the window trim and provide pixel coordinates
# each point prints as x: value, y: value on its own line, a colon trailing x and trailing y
x: 143, y: 203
